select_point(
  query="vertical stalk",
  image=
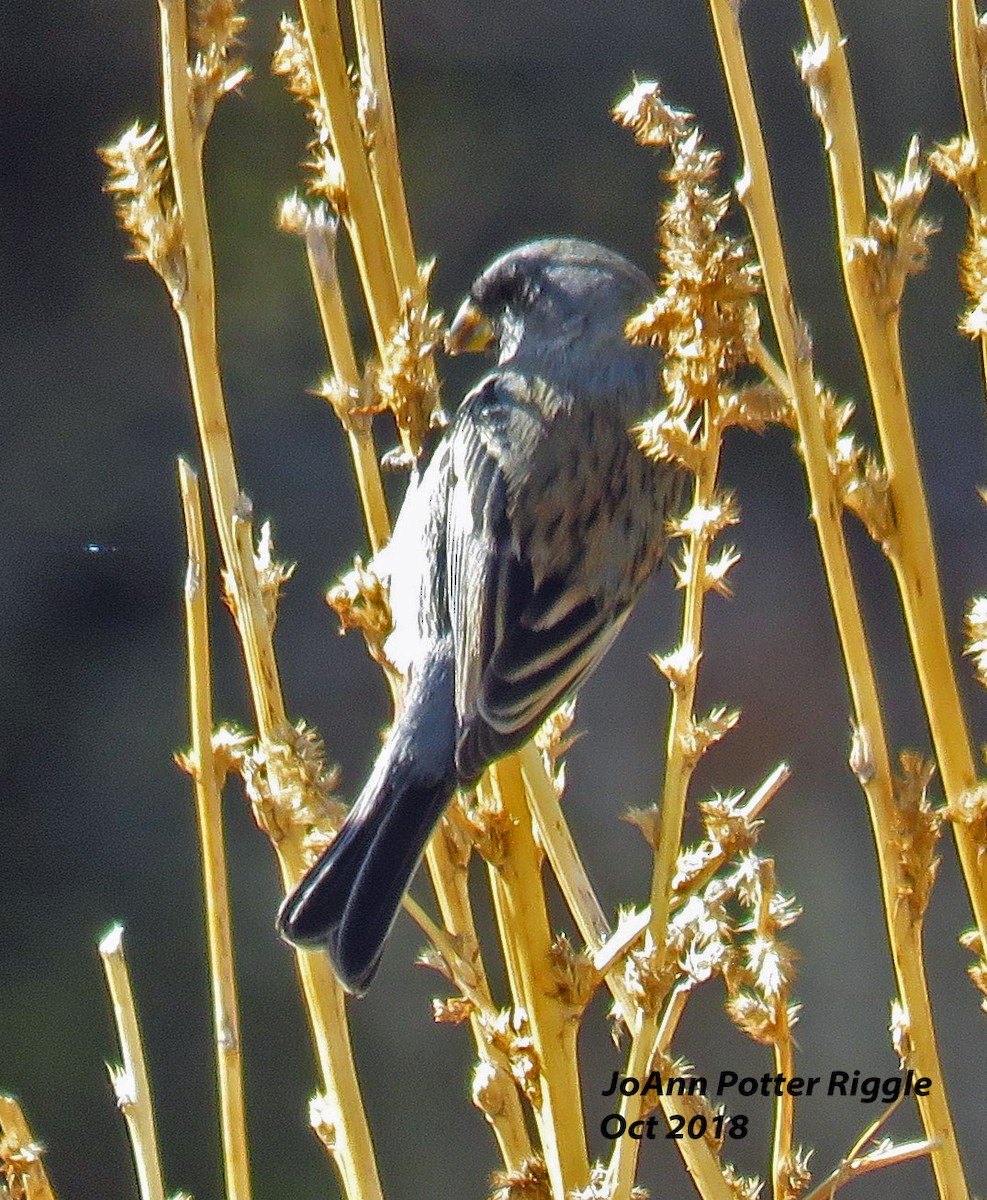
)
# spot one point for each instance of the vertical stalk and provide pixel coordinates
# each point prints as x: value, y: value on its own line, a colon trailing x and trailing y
x: 207, y: 776
x: 679, y: 764
x: 385, y: 165
x: 522, y: 919
x: 130, y: 1082
x: 363, y: 216
x: 911, y: 551
x: 872, y: 762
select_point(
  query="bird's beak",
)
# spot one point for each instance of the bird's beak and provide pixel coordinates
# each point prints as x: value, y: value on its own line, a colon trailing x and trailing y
x: 470, y: 332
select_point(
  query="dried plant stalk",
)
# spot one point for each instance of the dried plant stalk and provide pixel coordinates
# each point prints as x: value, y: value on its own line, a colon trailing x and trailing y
x: 208, y: 774
x: 522, y: 916
x: 870, y: 759
x: 344, y: 391
x: 130, y: 1081
x: 364, y: 219
x: 22, y: 1170
x: 279, y: 748
x: 380, y: 133
x: 877, y: 256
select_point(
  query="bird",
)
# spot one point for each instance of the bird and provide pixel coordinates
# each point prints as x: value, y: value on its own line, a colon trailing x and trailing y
x: 517, y: 556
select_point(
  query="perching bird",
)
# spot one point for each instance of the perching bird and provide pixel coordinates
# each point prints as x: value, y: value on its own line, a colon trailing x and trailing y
x: 516, y: 558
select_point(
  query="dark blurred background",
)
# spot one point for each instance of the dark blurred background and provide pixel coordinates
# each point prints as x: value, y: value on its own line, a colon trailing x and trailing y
x: 505, y: 134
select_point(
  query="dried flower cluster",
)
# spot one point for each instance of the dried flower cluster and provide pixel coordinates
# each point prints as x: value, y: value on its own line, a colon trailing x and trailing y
x: 896, y: 244
x: 292, y: 788
x: 293, y: 60
x: 216, y: 70
x: 405, y: 383
x: 139, y: 179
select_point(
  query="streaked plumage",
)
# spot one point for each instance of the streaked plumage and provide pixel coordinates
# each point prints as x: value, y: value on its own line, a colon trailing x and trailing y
x: 516, y: 558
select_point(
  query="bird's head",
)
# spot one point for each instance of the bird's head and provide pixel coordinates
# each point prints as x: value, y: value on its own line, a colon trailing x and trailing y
x: 562, y: 301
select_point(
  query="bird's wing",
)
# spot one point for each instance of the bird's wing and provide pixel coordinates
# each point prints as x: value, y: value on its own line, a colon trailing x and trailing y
x: 526, y: 628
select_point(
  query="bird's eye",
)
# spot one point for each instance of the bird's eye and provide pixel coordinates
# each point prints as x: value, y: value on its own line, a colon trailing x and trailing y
x: 514, y: 289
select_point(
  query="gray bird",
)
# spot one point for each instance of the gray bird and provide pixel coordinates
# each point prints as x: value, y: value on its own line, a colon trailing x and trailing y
x: 515, y: 561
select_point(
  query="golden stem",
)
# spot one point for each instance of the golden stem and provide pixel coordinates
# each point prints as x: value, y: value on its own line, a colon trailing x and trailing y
x: 451, y: 886
x: 885, y: 1156
x: 679, y: 763
x: 873, y: 768
x: 208, y: 783
x: 385, y: 164
x: 320, y: 251
x: 130, y: 1082
x: 911, y: 551
x: 196, y: 311
x: 970, y: 75
x: 353, y: 1148
x: 525, y: 933
x: 560, y: 848
x: 697, y: 1154
x: 622, y: 1170
x: 362, y: 212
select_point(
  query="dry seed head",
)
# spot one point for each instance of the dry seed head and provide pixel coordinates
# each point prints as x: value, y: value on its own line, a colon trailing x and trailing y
x: 140, y: 181
x: 650, y: 971
x: 814, y: 62
x: 956, y: 162
x: 679, y: 665
x: 322, y: 1119
x: 406, y: 382
x: 742, y: 1187
x: 896, y: 244
x: 489, y: 826
x: 901, y: 1032
x: 976, y: 637
x: 454, y: 1011
x: 706, y: 732
x: 529, y: 1182
x: 360, y: 600
x: 601, y: 1188
x: 671, y: 436
x: 554, y: 741
x: 509, y: 1034
x: 917, y: 830
x: 864, y: 488
x: 861, y: 756
x: 756, y: 407
x: 271, y: 575
x: 755, y: 1017
x: 572, y: 972
x: 215, y: 29
x: 977, y: 970
x: 702, y: 935
x: 646, y: 820
x: 707, y: 521
x: 714, y: 576
x: 704, y: 318
x: 652, y: 121
x: 293, y: 60
x: 795, y: 1173
x: 769, y: 967
x: 728, y: 827
x: 970, y: 810
x: 291, y: 788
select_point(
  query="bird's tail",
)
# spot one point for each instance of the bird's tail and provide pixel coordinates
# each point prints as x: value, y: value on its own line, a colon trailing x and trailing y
x: 348, y: 901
